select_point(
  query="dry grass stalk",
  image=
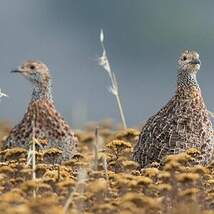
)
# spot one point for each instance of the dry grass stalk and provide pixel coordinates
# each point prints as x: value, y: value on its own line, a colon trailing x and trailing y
x: 58, y: 173
x: 2, y: 94
x: 69, y: 200
x: 96, y: 149
x: 114, y: 88
x: 82, y: 177
x: 32, y: 155
x: 211, y: 114
x: 105, y: 166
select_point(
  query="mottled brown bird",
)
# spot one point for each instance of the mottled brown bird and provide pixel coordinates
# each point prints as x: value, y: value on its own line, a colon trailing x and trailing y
x: 41, y: 118
x: 182, y: 123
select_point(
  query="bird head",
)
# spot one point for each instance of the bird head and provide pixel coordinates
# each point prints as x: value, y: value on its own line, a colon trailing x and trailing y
x: 35, y: 71
x: 189, y: 62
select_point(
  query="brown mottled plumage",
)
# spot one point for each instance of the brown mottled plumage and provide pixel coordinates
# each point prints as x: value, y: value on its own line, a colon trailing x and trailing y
x: 183, y: 123
x: 41, y: 117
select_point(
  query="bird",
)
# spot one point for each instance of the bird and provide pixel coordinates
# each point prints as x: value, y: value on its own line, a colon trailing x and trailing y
x: 41, y: 120
x: 183, y: 123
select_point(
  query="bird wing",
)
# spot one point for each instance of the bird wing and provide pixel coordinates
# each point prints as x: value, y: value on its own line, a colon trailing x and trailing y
x: 158, y: 135
x: 50, y: 121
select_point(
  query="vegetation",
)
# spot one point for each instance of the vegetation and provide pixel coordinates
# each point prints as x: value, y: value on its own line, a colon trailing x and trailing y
x: 102, y: 178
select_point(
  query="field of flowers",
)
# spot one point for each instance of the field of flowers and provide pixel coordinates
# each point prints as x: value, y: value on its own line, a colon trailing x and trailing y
x: 102, y: 178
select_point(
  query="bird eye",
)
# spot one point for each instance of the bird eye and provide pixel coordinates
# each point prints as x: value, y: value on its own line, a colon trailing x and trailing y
x: 184, y: 58
x: 32, y: 67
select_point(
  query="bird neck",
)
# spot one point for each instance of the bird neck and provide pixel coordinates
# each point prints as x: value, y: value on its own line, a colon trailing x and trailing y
x: 185, y: 79
x: 187, y: 85
x: 42, y: 92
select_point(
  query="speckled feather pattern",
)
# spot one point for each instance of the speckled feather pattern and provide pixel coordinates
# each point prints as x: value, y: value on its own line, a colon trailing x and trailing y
x: 48, y: 124
x: 181, y: 124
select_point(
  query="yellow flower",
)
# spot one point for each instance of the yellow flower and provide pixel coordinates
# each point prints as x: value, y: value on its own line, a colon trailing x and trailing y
x: 187, y: 177
x: 189, y: 192
x: 151, y: 172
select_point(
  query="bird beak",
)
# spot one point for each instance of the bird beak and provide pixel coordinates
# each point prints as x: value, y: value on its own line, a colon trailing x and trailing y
x: 16, y: 71
x: 195, y: 62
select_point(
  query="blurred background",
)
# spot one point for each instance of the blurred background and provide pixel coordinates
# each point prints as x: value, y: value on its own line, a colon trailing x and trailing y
x: 143, y: 39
